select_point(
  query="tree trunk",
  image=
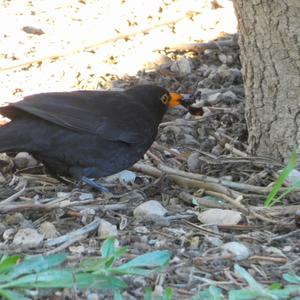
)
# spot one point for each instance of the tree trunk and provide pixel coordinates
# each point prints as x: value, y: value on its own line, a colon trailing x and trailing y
x: 269, y: 39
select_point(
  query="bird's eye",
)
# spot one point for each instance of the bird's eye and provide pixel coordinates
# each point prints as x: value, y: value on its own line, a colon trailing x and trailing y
x: 165, y: 99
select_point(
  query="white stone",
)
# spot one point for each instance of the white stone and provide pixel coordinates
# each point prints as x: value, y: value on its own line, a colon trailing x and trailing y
x: 28, y: 237
x: 107, y: 229
x: 238, y: 250
x: 48, y: 230
x: 151, y: 207
x: 182, y: 66
x: 220, y: 216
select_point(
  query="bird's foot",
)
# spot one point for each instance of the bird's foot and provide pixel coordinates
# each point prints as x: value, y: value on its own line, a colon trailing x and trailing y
x: 90, y: 182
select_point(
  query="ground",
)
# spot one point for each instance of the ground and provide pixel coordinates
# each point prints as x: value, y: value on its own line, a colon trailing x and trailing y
x: 196, y: 164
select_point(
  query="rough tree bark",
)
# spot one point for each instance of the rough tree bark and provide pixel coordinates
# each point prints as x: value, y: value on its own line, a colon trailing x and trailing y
x: 269, y: 39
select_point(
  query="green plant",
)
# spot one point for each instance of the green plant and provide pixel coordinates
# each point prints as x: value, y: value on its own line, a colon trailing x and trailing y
x: 257, y: 291
x: 96, y: 273
x: 271, y: 199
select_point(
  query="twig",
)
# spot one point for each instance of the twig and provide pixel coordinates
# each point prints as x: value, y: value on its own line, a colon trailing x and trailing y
x: 241, y: 207
x: 77, y: 233
x: 277, y: 260
x: 185, y: 182
x: 227, y: 183
x: 234, y: 150
x: 14, y: 196
x: 68, y: 243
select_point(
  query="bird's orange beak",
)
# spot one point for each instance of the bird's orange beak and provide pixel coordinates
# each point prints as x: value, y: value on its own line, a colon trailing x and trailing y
x: 175, y: 100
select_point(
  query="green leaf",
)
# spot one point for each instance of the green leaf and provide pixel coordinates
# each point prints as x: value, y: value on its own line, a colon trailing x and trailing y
x: 250, y: 280
x: 283, y: 175
x: 35, y: 264
x: 148, y: 294
x: 108, y: 248
x: 137, y: 266
x: 168, y: 294
x: 66, y: 278
x: 7, y: 262
x: 212, y: 293
x: 117, y: 295
x: 291, y: 278
x: 12, y: 295
x: 275, y: 286
x: 244, y: 295
x: 91, y: 265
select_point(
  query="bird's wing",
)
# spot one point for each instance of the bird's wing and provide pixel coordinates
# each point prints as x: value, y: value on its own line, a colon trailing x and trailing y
x: 111, y: 115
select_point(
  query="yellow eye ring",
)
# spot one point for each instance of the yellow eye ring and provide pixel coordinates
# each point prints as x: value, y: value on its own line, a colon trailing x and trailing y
x: 165, y: 99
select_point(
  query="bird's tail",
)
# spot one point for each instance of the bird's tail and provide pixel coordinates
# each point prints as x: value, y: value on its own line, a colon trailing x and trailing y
x: 11, y: 137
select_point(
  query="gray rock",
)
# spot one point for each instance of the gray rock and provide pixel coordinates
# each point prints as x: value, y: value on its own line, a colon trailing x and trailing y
x: 24, y: 160
x: 222, y: 58
x: 214, y: 98
x: 126, y: 176
x: 238, y: 250
x: 229, y: 97
x: 229, y: 60
x: 106, y: 229
x: 182, y: 66
x: 8, y: 233
x: 216, y: 242
x: 217, y: 150
x: 193, y: 162
x: 132, y: 196
x: 149, y: 208
x: 28, y: 237
x: 86, y: 196
x: 48, y: 230
x: 141, y: 229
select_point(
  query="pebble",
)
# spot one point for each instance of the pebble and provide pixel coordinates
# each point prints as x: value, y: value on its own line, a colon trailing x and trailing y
x: 182, y: 66
x: 293, y: 177
x: 229, y: 97
x: 217, y: 150
x: 77, y: 249
x: 188, y: 139
x: 14, y: 219
x: 214, y: 98
x: 8, y: 233
x: 86, y: 196
x: 240, y: 251
x: 222, y: 58
x: 216, y: 242
x: 126, y: 176
x: 149, y: 208
x: 141, y: 229
x: 220, y: 216
x: 106, y: 230
x: 28, y: 237
x: 193, y: 162
x: 132, y: 196
x: 48, y: 230
x: 24, y: 160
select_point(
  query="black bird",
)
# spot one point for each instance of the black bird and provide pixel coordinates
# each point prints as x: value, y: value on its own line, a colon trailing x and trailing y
x: 86, y: 134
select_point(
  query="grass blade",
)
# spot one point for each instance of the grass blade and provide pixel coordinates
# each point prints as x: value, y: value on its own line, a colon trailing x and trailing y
x: 280, y: 181
x: 144, y: 264
x: 7, y: 262
x: 35, y: 264
x: 12, y: 295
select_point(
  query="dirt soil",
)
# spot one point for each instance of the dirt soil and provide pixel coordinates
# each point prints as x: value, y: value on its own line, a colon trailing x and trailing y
x: 199, y: 169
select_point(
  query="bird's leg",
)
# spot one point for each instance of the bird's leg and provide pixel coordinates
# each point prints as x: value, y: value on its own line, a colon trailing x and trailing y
x: 94, y: 184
